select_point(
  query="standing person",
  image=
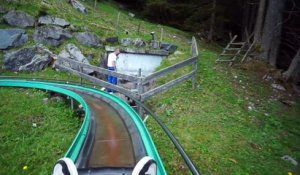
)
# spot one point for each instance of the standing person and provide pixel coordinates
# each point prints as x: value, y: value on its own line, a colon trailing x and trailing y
x: 111, y: 65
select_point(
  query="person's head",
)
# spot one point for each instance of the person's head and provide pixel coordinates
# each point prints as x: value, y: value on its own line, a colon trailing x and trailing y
x: 117, y: 51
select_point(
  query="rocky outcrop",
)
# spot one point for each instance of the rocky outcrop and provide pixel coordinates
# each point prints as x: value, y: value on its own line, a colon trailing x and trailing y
x: 74, y: 53
x: 12, y: 38
x: 51, y: 35
x: 112, y: 40
x: 88, y: 39
x: 18, y: 19
x: 28, y: 59
x: 126, y: 42
x: 171, y: 48
x: 77, y: 5
x: 53, y: 20
x: 138, y: 42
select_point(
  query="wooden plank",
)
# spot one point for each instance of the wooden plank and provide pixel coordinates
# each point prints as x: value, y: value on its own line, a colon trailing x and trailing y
x: 231, y: 41
x: 164, y: 87
x: 227, y: 54
x: 99, y: 82
x: 248, y: 51
x: 238, y: 43
x: 233, y: 49
x: 168, y: 70
x: 238, y: 52
x: 99, y: 69
x: 224, y: 50
x: 225, y: 60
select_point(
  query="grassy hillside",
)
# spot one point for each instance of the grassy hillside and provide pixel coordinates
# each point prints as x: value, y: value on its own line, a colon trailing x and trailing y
x: 34, y: 133
x: 232, y: 123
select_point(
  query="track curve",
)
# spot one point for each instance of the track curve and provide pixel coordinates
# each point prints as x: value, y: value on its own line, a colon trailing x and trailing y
x: 112, y: 137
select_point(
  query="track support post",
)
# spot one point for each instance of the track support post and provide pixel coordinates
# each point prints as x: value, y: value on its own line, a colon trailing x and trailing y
x: 72, y: 103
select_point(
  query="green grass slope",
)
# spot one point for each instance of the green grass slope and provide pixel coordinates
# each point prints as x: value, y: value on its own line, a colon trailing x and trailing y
x: 232, y: 123
x: 34, y: 134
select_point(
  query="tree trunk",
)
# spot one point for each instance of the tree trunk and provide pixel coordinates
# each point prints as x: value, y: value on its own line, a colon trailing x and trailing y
x: 212, y: 21
x: 275, y: 44
x: 259, y: 21
x: 294, y: 67
x: 252, y: 19
x: 246, y: 22
x: 272, y: 31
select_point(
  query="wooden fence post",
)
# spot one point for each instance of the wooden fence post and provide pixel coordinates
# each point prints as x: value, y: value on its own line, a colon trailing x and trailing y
x: 161, y: 34
x: 194, y: 54
x: 139, y: 27
x: 72, y: 103
x: 140, y: 91
x: 118, y: 19
x: 194, y: 76
x: 81, y: 71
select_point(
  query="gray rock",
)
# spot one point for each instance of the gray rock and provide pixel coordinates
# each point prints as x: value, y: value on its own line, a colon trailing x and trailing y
x: 51, y: 35
x: 12, y: 38
x: 112, y: 40
x: 88, y: 39
x: 77, y: 5
x: 73, y: 28
x: 53, y: 20
x: 290, y: 159
x: 131, y: 14
x: 27, y: 59
x: 74, y: 53
x: 18, y: 19
x: 45, y: 100
x: 267, y: 78
x: 126, y: 42
x: 171, y: 48
x: 139, y: 42
x: 278, y: 87
x: 57, y: 99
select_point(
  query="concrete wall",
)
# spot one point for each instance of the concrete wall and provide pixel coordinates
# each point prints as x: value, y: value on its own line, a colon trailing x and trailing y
x: 129, y: 63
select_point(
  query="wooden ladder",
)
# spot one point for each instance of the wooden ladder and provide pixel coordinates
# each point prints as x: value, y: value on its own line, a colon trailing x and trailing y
x: 231, y: 51
x: 248, y: 51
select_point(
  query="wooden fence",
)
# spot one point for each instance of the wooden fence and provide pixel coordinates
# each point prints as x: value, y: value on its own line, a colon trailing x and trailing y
x: 77, y: 68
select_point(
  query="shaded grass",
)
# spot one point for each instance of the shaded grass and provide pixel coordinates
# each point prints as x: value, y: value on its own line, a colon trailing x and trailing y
x: 23, y: 144
x: 219, y: 132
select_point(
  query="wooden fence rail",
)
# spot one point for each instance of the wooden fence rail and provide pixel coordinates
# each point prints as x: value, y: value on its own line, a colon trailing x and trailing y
x: 100, y: 82
x: 167, y: 85
x: 141, y: 82
x: 169, y: 69
x: 62, y: 60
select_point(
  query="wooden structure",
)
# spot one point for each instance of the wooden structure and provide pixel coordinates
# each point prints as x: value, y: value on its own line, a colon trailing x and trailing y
x: 236, y: 50
x: 139, y: 92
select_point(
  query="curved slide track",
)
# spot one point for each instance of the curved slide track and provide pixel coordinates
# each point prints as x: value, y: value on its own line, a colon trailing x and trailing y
x: 112, y: 138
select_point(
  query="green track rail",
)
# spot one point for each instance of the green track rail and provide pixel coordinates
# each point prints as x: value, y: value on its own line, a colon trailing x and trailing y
x: 77, y: 143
